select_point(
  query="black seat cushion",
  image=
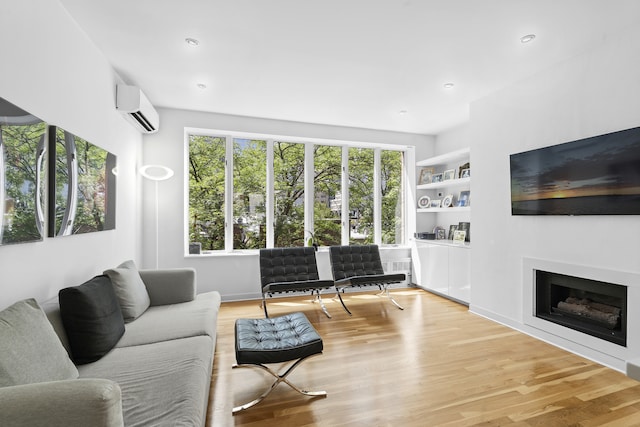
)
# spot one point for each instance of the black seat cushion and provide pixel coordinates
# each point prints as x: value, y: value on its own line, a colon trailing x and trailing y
x: 92, y: 319
x: 372, y: 279
x: 275, y: 340
x: 297, y: 286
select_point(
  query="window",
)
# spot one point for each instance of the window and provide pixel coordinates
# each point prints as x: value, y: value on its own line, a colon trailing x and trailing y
x: 288, y: 183
x: 361, y: 194
x: 207, y: 191
x: 248, y: 191
x: 392, y: 194
x: 327, y: 206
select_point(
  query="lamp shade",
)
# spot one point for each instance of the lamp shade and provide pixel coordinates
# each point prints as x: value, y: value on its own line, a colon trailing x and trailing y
x: 156, y: 172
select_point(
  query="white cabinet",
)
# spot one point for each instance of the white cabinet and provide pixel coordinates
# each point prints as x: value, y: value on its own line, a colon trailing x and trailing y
x: 460, y: 273
x: 443, y: 268
x: 433, y: 267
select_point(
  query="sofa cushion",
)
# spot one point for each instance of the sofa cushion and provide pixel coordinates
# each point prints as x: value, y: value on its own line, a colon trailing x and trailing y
x: 163, y: 384
x: 31, y: 351
x: 92, y: 319
x: 130, y: 289
x: 173, y: 321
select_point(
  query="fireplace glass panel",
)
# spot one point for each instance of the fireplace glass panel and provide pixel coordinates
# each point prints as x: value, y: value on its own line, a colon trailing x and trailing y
x: 589, y: 306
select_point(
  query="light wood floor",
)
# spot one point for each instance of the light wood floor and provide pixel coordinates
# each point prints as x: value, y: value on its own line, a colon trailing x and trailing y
x: 433, y: 364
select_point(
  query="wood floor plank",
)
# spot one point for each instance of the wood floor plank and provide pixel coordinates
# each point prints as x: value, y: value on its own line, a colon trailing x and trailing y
x: 432, y: 364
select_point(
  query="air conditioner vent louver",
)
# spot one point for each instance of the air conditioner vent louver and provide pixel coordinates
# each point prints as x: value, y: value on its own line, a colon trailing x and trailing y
x: 142, y: 121
x: 135, y: 106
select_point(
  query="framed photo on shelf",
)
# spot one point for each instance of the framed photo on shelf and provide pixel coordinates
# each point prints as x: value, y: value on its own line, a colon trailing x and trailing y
x: 466, y: 227
x: 425, y: 176
x: 449, y: 174
x: 424, y: 202
x: 464, y: 198
x: 440, y: 233
x: 452, y: 230
x: 458, y: 236
x: 447, y: 202
x: 463, y: 167
x: 465, y: 173
x: 436, y: 177
x: 435, y: 203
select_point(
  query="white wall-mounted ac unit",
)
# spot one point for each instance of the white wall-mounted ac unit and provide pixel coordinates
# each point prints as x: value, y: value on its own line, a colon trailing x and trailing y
x: 134, y: 105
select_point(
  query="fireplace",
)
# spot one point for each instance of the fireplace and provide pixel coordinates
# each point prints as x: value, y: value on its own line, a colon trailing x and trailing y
x: 588, y: 306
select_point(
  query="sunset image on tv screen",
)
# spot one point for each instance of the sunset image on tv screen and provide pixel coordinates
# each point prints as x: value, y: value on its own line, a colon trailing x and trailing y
x: 593, y: 176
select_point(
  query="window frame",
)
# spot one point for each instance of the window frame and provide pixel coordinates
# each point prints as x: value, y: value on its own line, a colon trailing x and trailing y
x: 309, y: 191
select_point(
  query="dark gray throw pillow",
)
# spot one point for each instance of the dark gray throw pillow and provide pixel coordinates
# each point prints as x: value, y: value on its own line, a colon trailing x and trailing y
x: 92, y: 319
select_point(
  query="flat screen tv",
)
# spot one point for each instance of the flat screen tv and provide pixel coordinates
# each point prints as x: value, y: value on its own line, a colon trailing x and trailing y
x: 599, y: 175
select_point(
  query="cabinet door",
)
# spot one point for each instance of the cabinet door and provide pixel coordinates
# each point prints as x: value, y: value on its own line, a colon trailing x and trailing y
x: 434, y: 260
x: 460, y: 273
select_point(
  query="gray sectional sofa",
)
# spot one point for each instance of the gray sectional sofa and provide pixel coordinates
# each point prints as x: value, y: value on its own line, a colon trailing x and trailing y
x: 158, y: 373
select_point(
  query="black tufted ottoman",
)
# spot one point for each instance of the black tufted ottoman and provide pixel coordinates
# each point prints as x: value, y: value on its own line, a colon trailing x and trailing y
x: 276, y: 340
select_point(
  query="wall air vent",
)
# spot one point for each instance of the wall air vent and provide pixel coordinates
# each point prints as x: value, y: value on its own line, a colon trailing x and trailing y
x: 135, y: 106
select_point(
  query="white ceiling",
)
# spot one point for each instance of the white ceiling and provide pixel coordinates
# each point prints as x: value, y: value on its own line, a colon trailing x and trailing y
x: 341, y: 62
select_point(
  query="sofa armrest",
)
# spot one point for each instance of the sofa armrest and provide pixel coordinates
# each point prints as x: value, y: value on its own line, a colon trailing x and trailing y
x: 69, y: 403
x: 170, y: 286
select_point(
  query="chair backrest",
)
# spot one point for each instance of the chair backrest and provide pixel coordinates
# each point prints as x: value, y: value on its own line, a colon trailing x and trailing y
x: 288, y: 265
x: 355, y: 260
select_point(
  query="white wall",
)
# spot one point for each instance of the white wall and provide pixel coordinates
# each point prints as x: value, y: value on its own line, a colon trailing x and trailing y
x: 235, y: 276
x: 591, y: 94
x: 51, y: 69
x: 453, y: 139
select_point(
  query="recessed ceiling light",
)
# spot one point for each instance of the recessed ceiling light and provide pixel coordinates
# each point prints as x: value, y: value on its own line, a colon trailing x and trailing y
x: 448, y: 85
x: 527, y: 38
x: 402, y: 112
x: 191, y: 41
x: 201, y: 86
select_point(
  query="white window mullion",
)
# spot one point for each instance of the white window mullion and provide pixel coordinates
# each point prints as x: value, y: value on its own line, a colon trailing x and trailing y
x: 228, y: 195
x: 409, y: 194
x: 346, y: 222
x: 270, y: 202
x: 377, y: 198
x: 309, y: 195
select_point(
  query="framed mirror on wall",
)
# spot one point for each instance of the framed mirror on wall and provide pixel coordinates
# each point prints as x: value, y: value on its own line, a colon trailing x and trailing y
x: 82, y: 185
x: 22, y: 175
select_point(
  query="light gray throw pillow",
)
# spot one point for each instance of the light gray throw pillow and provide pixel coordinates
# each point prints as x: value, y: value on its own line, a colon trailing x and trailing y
x: 130, y: 290
x: 31, y: 352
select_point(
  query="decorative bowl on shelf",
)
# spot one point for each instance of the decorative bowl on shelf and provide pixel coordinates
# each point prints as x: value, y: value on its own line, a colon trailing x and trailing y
x: 424, y: 202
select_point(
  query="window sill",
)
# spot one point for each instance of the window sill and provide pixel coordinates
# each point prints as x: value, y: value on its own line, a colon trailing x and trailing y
x: 254, y: 252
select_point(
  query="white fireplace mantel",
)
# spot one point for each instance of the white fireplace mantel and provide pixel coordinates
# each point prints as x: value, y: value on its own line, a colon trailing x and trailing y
x: 601, y: 351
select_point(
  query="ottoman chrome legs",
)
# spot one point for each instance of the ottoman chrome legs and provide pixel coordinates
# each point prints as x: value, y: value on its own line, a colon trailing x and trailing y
x: 279, y: 379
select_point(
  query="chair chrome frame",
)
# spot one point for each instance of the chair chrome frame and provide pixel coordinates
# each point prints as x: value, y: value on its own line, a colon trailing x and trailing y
x: 280, y: 378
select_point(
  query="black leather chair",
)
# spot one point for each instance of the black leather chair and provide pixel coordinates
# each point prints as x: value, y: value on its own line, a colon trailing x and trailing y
x: 360, y: 265
x: 291, y: 270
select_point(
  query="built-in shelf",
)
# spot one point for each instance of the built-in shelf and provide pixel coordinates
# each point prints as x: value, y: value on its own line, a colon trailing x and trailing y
x: 444, y: 266
x: 445, y: 162
x: 459, y: 182
x: 444, y: 242
x: 449, y: 210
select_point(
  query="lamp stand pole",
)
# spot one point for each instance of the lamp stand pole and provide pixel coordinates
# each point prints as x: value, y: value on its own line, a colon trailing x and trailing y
x: 156, y: 173
x: 157, y: 226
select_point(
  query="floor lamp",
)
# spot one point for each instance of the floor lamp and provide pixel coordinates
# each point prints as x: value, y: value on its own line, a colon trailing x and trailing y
x: 156, y: 173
